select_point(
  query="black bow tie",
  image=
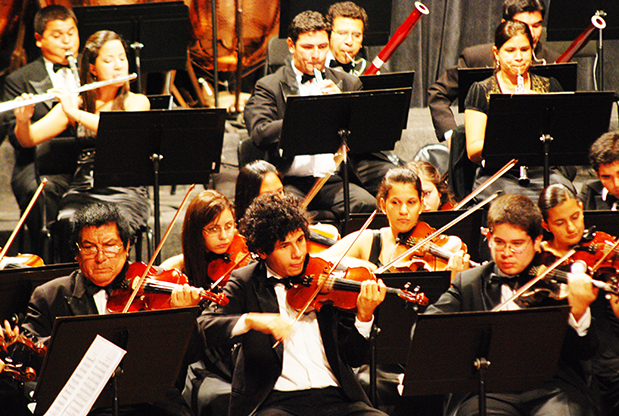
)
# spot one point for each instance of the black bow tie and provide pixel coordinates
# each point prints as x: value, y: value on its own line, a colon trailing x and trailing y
x: 309, y: 77
x: 286, y: 281
x: 346, y: 67
x: 511, y: 281
x: 58, y: 67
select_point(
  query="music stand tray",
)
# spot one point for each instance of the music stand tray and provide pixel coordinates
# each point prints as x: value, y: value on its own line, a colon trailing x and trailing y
x: 566, y: 74
x: 155, y: 342
x: 523, y: 348
x: 517, y: 122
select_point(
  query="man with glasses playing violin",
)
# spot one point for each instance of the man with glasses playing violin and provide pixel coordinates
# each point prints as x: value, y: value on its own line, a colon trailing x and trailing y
x: 515, y: 235
x: 301, y: 369
x: 101, y: 239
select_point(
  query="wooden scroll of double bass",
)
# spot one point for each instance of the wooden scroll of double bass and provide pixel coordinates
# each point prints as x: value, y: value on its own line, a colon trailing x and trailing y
x: 486, y: 184
x: 23, y: 219
x: 140, y: 282
x: 435, y: 234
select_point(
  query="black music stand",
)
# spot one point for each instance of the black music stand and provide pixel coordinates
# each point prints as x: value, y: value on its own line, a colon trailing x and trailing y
x: 545, y: 129
x: 389, y: 340
x: 141, y: 25
x: 566, y: 74
x: 366, y: 121
x: 388, y: 81
x: 155, y: 342
x: 513, y: 350
x: 158, y: 147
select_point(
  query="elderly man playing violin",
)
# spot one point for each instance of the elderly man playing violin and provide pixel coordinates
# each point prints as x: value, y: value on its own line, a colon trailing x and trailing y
x: 283, y: 368
x: 515, y: 225
x: 101, y: 237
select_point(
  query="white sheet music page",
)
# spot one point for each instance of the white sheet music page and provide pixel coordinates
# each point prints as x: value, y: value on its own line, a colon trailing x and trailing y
x: 88, y: 380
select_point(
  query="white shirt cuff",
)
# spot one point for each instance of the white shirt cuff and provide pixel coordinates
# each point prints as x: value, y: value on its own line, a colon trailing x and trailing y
x: 364, y: 328
x: 241, y: 326
x: 583, y: 325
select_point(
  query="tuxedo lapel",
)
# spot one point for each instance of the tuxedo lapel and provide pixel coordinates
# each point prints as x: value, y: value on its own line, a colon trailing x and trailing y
x: 80, y: 303
x: 289, y: 84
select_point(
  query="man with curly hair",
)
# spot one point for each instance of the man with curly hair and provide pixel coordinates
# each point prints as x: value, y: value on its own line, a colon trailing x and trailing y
x: 309, y: 371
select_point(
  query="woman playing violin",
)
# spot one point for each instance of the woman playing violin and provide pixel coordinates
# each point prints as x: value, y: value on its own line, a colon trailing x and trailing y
x: 104, y: 58
x: 563, y: 217
x: 209, y: 231
x: 400, y: 199
x: 436, y: 194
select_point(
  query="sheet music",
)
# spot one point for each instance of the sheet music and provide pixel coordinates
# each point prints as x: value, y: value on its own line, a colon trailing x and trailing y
x: 88, y: 380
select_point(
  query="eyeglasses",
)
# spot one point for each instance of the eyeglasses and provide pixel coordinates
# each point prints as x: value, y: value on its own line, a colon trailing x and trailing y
x: 217, y: 229
x: 516, y: 248
x: 345, y: 33
x: 107, y: 250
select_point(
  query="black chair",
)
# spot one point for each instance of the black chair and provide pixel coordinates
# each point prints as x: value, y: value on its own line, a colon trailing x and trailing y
x: 276, y: 55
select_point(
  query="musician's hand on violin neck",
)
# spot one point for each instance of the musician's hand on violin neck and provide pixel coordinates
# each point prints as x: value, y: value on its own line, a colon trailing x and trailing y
x: 458, y: 263
x: 269, y: 323
x: 184, y: 296
x: 371, y: 295
x: 8, y: 333
x: 581, y: 293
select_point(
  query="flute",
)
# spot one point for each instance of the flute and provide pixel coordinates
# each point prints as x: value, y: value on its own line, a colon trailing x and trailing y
x: 13, y: 104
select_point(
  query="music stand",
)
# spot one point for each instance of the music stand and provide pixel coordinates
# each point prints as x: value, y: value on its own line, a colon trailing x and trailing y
x: 366, y: 121
x: 159, y: 147
x: 566, y: 74
x: 515, y: 350
x: 141, y: 26
x: 388, y: 81
x: 155, y: 342
x: 545, y: 129
x: 390, y: 342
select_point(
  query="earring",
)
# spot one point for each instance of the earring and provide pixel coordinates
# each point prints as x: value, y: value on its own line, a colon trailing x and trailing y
x: 497, y: 64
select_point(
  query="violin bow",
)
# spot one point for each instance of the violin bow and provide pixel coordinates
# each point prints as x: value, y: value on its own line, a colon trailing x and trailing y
x: 533, y: 281
x: 339, y: 157
x: 435, y: 234
x: 23, y: 218
x: 137, y: 287
x: 486, y: 184
x: 319, y: 286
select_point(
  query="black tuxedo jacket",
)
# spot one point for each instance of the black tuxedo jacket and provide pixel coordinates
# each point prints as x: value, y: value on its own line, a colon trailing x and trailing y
x: 444, y: 91
x: 259, y: 365
x: 591, y: 196
x: 64, y: 296
x: 264, y: 111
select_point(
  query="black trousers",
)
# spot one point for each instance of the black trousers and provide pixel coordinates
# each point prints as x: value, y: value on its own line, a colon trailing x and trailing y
x: 329, y: 401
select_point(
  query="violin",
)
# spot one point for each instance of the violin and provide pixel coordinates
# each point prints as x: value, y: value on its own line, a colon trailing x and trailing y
x: 21, y: 260
x: 20, y: 356
x: 596, y: 245
x: 433, y: 255
x: 236, y: 256
x: 154, y: 293
x: 340, y: 289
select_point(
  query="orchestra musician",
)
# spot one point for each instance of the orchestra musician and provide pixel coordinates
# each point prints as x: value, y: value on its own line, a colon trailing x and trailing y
x: 348, y: 23
x: 515, y: 235
x: 208, y: 232
x: 401, y: 199
x: 603, y: 193
x: 56, y: 33
x: 309, y: 371
x: 100, y: 239
x: 308, y: 42
x: 436, y: 194
x: 444, y: 91
x: 256, y: 178
x: 513, y: 54
x: 104, y: 58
